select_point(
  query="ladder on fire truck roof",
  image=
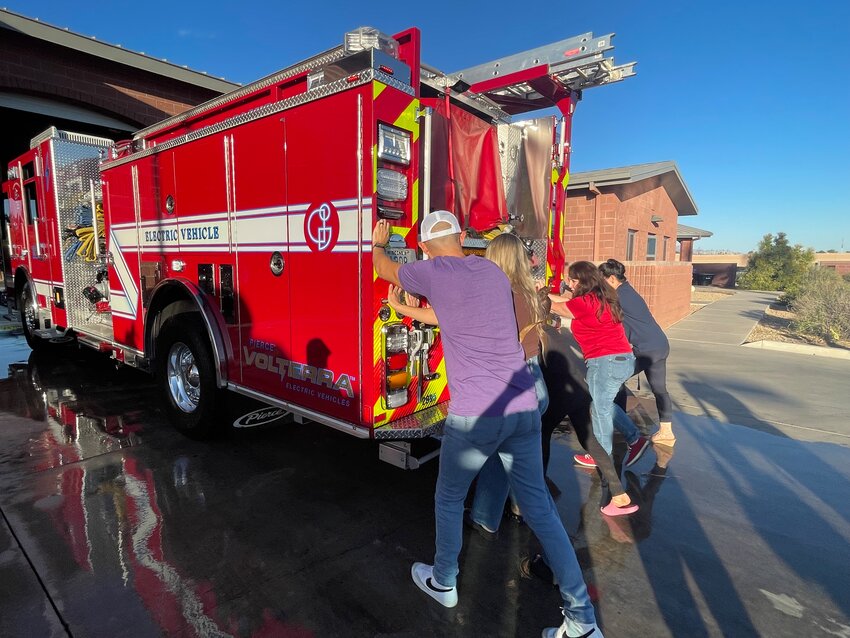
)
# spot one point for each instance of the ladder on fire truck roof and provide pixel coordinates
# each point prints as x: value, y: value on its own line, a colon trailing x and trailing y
x: 541, y: 77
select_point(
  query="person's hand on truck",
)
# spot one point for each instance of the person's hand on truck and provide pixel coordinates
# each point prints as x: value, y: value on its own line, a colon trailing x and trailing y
x: 381, y: 233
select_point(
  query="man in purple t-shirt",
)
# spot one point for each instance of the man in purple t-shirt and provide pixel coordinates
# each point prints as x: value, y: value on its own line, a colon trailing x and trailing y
x: 492, y: 410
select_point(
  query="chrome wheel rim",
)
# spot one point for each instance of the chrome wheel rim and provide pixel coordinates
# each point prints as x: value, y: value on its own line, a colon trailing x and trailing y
x: 184, y: 381
x: 29, y: 310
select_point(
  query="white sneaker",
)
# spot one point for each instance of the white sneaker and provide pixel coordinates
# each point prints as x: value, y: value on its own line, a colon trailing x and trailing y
x: 423, y: 576
x: 572, y: 629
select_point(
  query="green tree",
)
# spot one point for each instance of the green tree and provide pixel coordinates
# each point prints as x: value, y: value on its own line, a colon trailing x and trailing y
x: 777, y: 265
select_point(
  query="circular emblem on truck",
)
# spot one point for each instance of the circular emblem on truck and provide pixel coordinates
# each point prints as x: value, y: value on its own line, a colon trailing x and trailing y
x: 321, y: 227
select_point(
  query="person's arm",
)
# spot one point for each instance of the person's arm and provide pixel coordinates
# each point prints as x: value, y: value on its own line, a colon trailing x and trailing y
x: 417, y: 313
x: 385, y: 267
x: 559, y: 305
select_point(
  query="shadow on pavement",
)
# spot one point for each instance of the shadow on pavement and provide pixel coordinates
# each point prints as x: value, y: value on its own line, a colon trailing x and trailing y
x: 770, y: 484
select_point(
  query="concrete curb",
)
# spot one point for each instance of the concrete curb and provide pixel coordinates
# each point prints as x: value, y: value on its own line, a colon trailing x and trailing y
x: 800, y: 348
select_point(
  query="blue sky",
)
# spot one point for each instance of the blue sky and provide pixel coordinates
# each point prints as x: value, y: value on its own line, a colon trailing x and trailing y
x: 751, y: 99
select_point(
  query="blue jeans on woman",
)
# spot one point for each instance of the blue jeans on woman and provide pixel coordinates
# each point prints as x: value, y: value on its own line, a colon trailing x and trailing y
x: 493, y: 480
x: 540, y: 389
x: 605, y: 375
x: 514, y: 439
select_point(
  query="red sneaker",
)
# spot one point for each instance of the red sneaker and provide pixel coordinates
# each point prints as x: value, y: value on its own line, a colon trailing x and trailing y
x: 636, y: 450
x: 585, y: 460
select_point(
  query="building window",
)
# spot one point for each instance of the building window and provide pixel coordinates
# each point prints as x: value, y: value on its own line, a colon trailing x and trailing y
x: 651, y: 241
x: 630, y: 245
x: 664, y: 249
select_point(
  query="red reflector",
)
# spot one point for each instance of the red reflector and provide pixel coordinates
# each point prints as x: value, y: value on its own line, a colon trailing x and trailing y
x: 353, y: 78
x: 571, y: 52
x: 397, y: 361
x: 386, y: 69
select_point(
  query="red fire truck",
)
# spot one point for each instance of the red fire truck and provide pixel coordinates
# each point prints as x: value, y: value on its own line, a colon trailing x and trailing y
x: 228, y: 247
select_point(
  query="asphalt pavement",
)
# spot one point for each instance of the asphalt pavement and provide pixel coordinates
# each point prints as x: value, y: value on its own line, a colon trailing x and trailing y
x: 792, y: 394
x: 115, y: 525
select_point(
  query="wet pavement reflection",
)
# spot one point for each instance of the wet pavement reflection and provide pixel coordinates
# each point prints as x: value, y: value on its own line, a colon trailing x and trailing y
x: 115, y: 525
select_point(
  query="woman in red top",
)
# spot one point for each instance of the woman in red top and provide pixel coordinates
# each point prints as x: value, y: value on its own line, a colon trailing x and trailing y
x: 597, y: 327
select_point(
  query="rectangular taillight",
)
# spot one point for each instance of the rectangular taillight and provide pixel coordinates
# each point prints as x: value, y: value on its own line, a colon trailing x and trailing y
x: 396, y: 374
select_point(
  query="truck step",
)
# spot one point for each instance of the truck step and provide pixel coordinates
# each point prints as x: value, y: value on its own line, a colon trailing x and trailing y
x: 419, y: 425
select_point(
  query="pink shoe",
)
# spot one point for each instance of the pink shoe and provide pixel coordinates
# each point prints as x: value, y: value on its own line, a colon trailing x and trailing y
x: 585, y: 460
x: 613, y: 510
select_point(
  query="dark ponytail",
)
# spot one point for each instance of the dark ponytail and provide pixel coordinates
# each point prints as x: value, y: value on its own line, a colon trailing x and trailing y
x: 612, y: 267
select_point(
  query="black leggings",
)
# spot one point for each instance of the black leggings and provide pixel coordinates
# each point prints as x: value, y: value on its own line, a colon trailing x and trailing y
x: 563, y: 371
x: 580, y: 419
x: 653, y: 363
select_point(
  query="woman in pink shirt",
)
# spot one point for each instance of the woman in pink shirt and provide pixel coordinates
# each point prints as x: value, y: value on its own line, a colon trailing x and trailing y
x: 597, y: 327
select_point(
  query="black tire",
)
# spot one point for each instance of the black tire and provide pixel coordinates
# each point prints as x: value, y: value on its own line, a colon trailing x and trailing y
x: 28, y: 308
x: 186, y: 377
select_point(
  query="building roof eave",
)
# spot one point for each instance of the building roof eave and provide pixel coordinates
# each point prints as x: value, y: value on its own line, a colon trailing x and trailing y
x: 691, y: 232
x: 666, y: 172
x: 91, y: 46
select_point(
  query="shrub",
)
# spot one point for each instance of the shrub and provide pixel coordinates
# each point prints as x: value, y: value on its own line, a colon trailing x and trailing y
x: 777, y: 265
x: 823, y: 306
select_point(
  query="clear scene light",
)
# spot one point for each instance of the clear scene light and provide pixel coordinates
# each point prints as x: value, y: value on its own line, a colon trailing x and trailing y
x: 392, y: 185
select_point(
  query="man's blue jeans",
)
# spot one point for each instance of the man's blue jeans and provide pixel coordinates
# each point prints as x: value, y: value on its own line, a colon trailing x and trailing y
x: 467, y: 444
x: 605, y: 375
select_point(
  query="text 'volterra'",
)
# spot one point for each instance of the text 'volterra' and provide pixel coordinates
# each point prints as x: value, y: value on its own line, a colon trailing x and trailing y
x: 299, y: 371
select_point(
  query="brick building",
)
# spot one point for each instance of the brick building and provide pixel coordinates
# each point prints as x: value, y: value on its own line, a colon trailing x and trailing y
x: 54, y: 77
x: 632, y: 214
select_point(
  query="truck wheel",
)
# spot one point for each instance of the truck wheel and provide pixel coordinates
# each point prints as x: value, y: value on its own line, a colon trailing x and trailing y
x: 27, y: 306
x: 186, y: 375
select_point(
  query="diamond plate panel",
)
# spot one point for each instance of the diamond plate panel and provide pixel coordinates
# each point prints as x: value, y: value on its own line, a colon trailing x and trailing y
x: 418, y: 425
x: 75, y: 167
x: 510, y: 146
x: 539, y: 247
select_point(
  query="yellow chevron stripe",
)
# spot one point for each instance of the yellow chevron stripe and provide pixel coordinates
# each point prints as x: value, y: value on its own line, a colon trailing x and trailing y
x: 435, y: 387
x: 378, y: 408
x: 566, y: 179
x: 377, y: 89
x: 407, y: 120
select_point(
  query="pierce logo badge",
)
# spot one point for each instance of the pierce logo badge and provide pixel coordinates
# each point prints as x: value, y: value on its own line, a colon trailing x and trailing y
x: 321, y: 227
x: 260, y: 417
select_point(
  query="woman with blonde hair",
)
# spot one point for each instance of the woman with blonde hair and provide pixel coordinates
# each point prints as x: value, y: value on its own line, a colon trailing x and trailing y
x: 510, y: 254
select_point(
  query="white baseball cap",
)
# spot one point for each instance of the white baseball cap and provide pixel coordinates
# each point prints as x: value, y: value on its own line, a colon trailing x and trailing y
x: 432, y: 219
